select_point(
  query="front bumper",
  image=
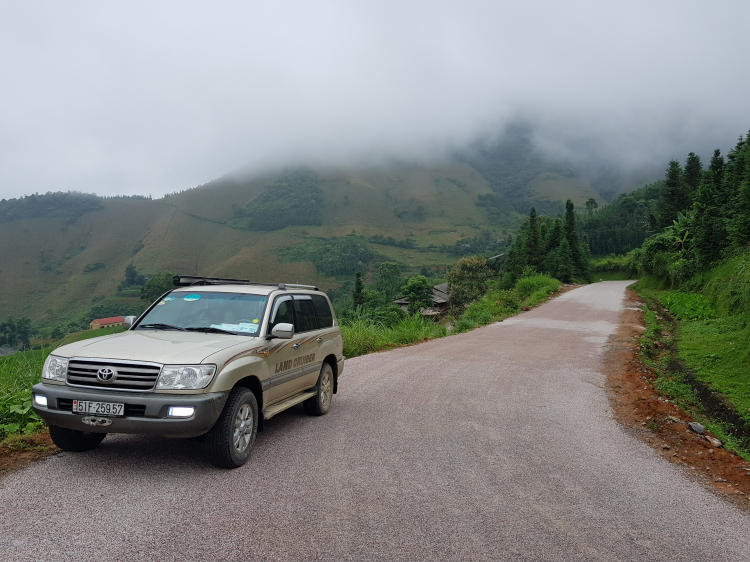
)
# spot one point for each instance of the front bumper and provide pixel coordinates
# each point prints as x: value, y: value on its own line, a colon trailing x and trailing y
x: 145, y: 414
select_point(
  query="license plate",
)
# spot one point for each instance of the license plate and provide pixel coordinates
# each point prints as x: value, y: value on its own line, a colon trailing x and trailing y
x: 98, y: 408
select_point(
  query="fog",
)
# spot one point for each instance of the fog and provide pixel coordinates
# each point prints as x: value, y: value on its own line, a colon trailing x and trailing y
x: 148, y: 98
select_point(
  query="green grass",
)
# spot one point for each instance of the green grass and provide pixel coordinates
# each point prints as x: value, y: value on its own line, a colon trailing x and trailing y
x: 362, y: 336
x: 532, y: 287
x: 716, y: 350
x: 18, y: 372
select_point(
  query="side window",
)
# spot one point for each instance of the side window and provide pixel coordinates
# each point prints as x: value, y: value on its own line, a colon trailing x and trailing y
x: 322, y: 311
x: 305, y: 314
x: 282, y: 312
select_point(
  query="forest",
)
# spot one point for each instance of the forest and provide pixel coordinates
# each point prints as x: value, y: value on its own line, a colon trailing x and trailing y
x: 70, y: 205
x: 295, y: 199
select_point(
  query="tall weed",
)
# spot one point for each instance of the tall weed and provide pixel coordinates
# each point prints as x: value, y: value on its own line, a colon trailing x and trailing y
x: 526, y: 286
x: 18, y: 373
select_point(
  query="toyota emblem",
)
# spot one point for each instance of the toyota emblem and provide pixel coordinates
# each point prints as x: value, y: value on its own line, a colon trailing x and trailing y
x: 106, y: 374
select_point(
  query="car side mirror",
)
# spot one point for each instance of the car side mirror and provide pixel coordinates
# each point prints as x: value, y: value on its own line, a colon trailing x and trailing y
x: 129, y: 321
x: 283, y: 331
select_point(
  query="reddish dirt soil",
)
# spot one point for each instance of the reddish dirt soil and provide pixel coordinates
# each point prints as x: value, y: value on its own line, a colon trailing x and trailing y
x: 660, y: 423
x: 27, y: 449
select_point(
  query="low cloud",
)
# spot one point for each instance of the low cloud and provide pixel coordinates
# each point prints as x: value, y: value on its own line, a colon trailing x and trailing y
x: 154, y: 97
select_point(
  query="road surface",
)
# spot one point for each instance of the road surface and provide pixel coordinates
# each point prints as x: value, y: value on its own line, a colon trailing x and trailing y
x: 498, y: 444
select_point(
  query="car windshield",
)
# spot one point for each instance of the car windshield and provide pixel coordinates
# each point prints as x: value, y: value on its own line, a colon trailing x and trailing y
x: 234, y: 313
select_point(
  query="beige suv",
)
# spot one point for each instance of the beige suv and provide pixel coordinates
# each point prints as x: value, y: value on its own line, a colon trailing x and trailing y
x: 213, y: 358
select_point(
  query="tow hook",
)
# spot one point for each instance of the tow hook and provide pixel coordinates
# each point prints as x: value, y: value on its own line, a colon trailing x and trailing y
x: 91, y: 420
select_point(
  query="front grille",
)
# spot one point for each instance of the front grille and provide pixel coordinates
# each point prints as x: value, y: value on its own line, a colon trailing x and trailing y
x: 131, y: 410
x: 130, y: 376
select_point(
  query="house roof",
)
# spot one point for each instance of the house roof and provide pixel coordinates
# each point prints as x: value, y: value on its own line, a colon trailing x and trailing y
x: 439, y: 295
x: 110, y: 320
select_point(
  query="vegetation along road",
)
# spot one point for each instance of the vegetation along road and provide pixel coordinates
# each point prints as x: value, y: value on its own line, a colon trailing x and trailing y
x: 497, y: 444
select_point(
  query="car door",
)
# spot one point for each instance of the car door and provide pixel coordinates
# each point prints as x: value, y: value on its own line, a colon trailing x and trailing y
x: 307, y: 324
x: 284, y: 356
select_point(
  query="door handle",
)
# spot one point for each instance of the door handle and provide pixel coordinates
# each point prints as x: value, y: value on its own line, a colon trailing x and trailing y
x: 296, y: 346
x: 319, y: 340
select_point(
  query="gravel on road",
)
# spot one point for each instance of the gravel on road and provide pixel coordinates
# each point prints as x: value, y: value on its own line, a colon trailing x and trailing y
x: 497, y: 444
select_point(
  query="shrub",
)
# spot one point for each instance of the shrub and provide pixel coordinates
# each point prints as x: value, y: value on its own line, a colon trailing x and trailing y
x: 526, y: 286
x: 361, y: 336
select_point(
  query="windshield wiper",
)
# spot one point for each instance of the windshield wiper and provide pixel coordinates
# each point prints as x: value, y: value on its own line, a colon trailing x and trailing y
x: 209, y: 329
x: 161, y: 326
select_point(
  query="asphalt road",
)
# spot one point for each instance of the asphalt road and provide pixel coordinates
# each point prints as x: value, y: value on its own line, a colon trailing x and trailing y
x: 497, y: 444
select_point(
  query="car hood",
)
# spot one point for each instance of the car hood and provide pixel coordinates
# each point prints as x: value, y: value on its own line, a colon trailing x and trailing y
x: 158, y: 346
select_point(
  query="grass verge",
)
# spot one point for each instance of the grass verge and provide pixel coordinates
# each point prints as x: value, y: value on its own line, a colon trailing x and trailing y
x: 701, y: 365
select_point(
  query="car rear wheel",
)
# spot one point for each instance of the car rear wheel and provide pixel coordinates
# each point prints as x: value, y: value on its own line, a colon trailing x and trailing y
x: 231, y: 439
x: 319, y: 404
x: 74, y: 441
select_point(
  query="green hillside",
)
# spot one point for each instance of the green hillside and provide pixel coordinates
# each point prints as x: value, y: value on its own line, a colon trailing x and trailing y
x: 55, y: 264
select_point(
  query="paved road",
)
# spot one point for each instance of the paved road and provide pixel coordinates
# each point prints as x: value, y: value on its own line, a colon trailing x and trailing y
x: 498, y: 444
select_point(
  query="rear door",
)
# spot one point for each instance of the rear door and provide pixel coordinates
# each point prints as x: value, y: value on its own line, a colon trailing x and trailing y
x: 307, y: 324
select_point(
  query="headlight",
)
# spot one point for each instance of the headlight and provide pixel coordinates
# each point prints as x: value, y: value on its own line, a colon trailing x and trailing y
x: 55, y: 368
x: 185, y: 377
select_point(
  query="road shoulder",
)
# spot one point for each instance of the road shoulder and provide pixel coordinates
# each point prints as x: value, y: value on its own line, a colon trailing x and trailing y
x: 649, y: 417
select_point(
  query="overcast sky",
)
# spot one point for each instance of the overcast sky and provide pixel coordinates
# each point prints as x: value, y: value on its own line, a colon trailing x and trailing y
x: 151, y: 97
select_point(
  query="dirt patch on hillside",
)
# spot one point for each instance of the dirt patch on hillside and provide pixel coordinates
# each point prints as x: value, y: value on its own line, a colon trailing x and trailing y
x: 659, y: 422
x: 21, y: 450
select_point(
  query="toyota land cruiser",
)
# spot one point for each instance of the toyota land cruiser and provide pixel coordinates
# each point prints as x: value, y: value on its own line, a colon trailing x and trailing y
x: 213, y: 358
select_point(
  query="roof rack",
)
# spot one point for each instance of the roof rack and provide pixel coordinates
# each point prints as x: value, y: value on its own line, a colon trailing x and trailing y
x: 191, y: 280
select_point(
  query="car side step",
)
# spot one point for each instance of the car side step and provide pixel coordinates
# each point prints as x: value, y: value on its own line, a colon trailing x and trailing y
x: 271, y: 411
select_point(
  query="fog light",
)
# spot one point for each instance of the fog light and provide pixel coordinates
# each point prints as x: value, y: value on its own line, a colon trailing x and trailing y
x: 40, y: 400
x: 181, y: 411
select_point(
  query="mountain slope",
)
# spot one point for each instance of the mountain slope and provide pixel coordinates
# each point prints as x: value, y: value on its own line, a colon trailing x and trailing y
x: 54, y: 267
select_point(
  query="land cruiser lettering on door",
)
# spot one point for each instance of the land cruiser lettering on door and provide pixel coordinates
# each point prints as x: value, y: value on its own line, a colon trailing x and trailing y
x: 294, y: 363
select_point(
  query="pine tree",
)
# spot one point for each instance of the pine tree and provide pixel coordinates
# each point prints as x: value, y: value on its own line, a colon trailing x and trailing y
x: 674, y: 197
x: 692, y: 174
x: 532, y: 248
x: 580, y: 263
x: 564, y: 260
x: 555, y: 235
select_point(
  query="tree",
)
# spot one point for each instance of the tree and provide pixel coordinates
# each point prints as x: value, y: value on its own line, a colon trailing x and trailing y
x: 15, y: 332
x: 564, y: 264
x: 358, y: 297
x: 389, y: 278
x: 674, y: 197
x: 418, y: 291
x: 591, y: 205
x: 468, y: 280
x: 578, y: 255
x: 532, y: 247
x: 132, y: 277
x: 156, y: 286
x: 693, y: 174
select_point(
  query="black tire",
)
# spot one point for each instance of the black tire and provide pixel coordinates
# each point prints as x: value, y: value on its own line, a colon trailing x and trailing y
x: 319, y: 404
x: 226, y: 447
x: 75, y: 441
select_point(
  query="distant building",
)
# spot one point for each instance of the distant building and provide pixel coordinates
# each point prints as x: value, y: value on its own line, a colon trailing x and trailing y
x: 440, y: 301
x: 107, y: 322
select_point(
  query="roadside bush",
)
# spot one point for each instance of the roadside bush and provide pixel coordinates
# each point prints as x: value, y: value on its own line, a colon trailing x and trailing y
x: 411, y: 329
x: 361, y: 336
x: 526, y: 286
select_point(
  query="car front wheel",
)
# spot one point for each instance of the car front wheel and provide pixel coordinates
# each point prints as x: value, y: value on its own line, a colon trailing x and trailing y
x: 231, y: 439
